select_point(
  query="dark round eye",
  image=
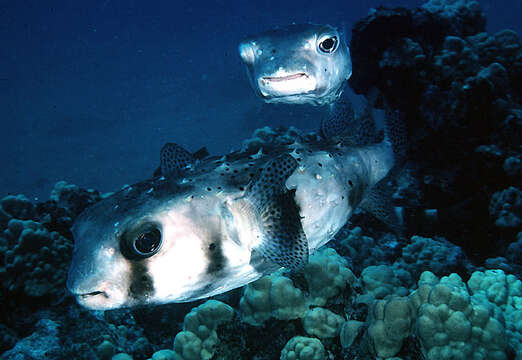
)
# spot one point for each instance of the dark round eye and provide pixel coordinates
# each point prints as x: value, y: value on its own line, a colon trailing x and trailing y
x: 328, y: 45
x: 142, y: 242
x: 147, y: 243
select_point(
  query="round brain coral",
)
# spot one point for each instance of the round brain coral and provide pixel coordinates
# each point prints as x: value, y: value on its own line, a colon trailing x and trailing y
x: 199, y: 339
x: 271, y: 296
x: 303, y: 348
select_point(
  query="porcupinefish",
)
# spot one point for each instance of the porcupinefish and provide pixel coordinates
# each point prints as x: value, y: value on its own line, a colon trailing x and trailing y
x: 297, y: 64
x: 209, y: 225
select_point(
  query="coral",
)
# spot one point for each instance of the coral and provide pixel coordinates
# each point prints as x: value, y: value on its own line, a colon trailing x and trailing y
x: 43, y: 343
x: 8, y: 338
x: 303, y: 348
x: 514, y: 253
x: 460, y: 16
x: 105, y: 350
x: 458, y: 88
x: 271, y: 296
x: 122, y: 356
x: 513, y: 166
x: 449, y: 321
x: 73, y: 198
x: 381, y: 281
x: 451, y: 325
x: 506, y: 207
x: 15, y: 207
x: 327, y: 275
x: 349, y: 331
x: 500, y: 263
x: 164, y: 355
x: 504, y: 291
x: 436, y: 255
x: 390, y: 323
x: 37, y: 260
x: 198, y: 339
x: 67, y: 202
x: 322, y: 323
x: 362, y: 250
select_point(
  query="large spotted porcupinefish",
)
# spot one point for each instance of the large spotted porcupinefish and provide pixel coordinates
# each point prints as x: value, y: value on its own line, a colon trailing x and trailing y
x: 297, y: 64
x: 207, y: 225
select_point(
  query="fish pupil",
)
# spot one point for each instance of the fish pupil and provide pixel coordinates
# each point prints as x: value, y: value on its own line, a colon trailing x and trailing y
x: 328, y: 45
x: 148, y: 242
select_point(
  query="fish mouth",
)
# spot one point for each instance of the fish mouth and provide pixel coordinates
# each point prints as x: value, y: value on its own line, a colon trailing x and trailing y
x: 99, y: 300
x: 91, y: 294
x: 295, y: 76
x: 286, y: 85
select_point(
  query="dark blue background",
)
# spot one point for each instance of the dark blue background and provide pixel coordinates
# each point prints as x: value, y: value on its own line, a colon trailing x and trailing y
x: 90, y: 90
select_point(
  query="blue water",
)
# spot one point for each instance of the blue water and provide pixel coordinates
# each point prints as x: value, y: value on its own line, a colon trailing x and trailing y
x: 90, y: 91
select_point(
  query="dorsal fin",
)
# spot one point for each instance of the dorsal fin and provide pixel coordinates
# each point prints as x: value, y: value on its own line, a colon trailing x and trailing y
x: 283, y: 241
x: 174, y: 159
x: 201, y: 153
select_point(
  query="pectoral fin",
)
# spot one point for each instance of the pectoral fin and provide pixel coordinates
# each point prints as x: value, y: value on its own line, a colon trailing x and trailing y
x: 283, y: 239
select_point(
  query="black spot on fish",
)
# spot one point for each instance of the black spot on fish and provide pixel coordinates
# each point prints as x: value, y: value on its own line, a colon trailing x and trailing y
x: 141, y: 284
x: 216, y: 259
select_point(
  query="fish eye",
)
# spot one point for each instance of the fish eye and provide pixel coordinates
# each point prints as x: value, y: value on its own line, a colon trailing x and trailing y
x: 142, y: 242
x: 329, y: 45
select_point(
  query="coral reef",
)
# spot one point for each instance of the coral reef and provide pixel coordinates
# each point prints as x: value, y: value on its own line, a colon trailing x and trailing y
x: 459, y: 90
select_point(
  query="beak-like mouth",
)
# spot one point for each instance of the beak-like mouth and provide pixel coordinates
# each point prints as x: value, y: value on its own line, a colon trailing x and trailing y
x: 266, y: 79
x: 100, y: 300
x: 283, y: 84
x: 91, y: 294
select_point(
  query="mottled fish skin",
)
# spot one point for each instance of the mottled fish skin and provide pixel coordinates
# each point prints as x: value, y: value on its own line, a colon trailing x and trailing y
x: 297, y: 64
x: 212, y: 224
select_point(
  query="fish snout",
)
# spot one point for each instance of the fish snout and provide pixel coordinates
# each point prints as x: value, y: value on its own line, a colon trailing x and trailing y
x: 247, y: 52
x: 94, y: 295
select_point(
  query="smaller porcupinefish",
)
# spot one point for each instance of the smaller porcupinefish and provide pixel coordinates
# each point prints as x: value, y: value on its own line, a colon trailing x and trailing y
x: 297, y: 64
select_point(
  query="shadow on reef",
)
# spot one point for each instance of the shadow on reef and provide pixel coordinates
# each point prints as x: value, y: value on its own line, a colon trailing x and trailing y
x: 368, y: 295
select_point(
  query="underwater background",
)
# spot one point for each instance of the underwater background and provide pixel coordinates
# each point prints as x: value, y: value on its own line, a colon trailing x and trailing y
x: 90, y: 91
